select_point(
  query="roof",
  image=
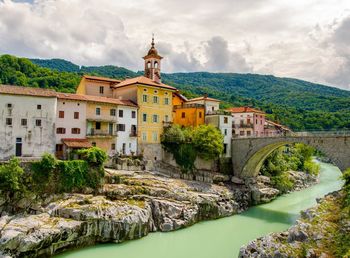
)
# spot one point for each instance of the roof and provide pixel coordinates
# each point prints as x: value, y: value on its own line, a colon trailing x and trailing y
x: 177, y: 93
x: 277, y: 125
x: 110, y: 100
x: 152, y: 52
x: 203, y: 98
x: 143, y: 80
x: 97, y: 78
x: 70, y: 96
x: 244, y: 110
x: 76, y: 143
x: 29, y: 91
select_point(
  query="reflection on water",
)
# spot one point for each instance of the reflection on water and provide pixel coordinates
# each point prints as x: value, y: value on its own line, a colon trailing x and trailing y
x: 220, y: 238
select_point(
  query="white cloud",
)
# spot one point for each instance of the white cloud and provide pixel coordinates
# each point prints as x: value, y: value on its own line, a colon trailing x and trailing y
x: 302, y: 39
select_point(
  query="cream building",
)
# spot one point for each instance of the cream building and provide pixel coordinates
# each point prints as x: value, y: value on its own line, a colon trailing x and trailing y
x: 27, y: 121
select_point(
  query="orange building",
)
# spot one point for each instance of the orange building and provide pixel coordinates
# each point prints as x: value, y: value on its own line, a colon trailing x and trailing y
x: 187, y: 114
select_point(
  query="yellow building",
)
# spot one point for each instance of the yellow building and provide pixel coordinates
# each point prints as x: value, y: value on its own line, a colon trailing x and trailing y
x: 187, y: 114
x: 155, y: 101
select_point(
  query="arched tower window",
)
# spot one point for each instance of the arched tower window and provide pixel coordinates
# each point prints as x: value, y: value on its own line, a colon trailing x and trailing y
x: 149, y: 64
x: 156, y: 64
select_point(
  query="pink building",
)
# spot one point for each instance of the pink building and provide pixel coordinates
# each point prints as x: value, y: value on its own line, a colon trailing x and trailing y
x: 247, y: 122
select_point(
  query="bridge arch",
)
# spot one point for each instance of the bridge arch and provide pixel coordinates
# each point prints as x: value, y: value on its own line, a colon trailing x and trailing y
x: 248, y: 154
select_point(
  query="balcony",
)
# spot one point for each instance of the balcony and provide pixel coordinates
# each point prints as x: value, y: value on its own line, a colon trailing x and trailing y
x: 167, y: 123
x: 245, y: 125
x: 101, y: 133
x: 188, y: 106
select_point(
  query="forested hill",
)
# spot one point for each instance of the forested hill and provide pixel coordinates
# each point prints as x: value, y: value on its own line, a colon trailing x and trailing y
x: 296, y: 103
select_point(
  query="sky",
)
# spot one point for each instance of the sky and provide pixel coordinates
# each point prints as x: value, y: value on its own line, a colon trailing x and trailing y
x: 305, y: 39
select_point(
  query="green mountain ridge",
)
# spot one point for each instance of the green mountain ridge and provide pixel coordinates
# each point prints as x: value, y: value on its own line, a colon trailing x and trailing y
x: 298, y: 104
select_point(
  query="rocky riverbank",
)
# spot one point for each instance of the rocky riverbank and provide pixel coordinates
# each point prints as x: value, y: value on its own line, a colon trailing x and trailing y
x: 130, y: 205
x: 322, y: 231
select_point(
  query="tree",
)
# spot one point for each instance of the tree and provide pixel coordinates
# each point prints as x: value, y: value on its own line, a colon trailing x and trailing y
x: 11, y: 180
x: 208, y: 141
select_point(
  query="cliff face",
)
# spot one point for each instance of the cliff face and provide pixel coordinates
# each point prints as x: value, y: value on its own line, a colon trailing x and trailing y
x: 131, y: 205
x: 322, y: 231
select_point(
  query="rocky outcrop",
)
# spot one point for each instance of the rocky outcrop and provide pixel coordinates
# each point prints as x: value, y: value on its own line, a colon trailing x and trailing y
x: 322, y: 231
x: 130, y: 205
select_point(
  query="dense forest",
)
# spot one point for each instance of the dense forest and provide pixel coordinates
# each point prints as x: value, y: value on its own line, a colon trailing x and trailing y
x: 298, y: 104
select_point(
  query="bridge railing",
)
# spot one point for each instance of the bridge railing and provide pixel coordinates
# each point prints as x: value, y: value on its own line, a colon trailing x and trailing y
x: 322, y: 133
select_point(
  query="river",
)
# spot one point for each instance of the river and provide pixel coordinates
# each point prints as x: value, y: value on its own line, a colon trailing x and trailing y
x: 220, y: 238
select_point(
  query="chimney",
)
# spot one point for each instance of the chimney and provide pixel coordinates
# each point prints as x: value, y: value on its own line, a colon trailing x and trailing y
x: 205, y: 95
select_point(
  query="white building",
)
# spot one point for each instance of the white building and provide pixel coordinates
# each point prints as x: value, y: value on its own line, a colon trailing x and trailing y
x: 223, y: 121
x: 27, y: 121
x: 70, y: 129
x: 211, y: 105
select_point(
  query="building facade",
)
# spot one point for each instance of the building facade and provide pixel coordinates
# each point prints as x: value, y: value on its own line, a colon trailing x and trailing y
x: 96, y: 86
x: 247, y: 122
x: 211, y: 105
x: 223, y: 121
x: 27, y: 121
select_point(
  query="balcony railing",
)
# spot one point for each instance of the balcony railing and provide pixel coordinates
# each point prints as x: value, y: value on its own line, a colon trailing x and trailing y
x: 218, y: 112
x: 167, y: 123
x: 94, y: 132
x: 133, y: 134
x: 245, y: 125
x: 188, y: 106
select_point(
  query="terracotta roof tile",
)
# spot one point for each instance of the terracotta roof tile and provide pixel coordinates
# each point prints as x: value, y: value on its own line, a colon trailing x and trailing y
x: 97, y: 78
x: 203, y: 98
x: 143, y: 80
x: 110, y: 100
x: 29, y: 91
x: 244, y: 110
x: 70, y: 96
x: 76, y: 143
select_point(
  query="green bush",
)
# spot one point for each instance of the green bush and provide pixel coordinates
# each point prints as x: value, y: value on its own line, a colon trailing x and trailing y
x: 208, y: 141
x: 282, y: 182
x: 173, y: 134
x: 73, y: 175
x: 43, y: 170
x: 346, y: 178
x: 11, y: 177
x: 94, y: 156
x: 311, y: 167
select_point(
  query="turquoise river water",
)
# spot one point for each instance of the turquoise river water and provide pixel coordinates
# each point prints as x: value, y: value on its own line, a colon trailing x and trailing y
x: 220, y: 238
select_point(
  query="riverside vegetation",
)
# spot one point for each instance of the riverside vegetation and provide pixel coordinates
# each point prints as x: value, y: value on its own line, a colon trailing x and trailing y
x: 322, y: 231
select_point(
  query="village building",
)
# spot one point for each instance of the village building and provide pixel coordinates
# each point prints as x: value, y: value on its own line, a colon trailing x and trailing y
x: 275, y: 129
x: 187, y: 114
x: 70, y: 126
x: 27, y: 121
x: 247, y: 122
x: 223, y: 121
x: 96, y: 86
x: 111, y: 124
x: 211, y: 105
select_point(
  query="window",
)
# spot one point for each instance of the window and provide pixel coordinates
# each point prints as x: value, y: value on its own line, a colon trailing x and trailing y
x: 101, y: 89
x: 75, y: 130
x: 98, y: 125
x: 112, y: 112
x: 121, y: 127
x: 248, y: 121
x: 133, y: 114
x: 166, y: 118
x: 241, y: 133
x: 60, y: 114
x: 38, y: 122
x: 59, y: 147
x: 9, y: 105
x: 200, y: 114
x: 256, y: 121
x: 8, y: 121
x: 24, y: 122
x: 225, y: 148
x: 155, y: 92
x: 155, y: 64
x: 166, y: 101
x: 144, y: 98
x: 155, y: 136
x: 261, y: 122
x: 98, y: 111
x: 249, y: 133
x: 121, y: 113
x: 61, y: 130
x: 93, y: 144
x: 183, y: 115
x: 76, y: 115
x: 225, y: 132
x: 145, y: 90
x: 113, y: 146
x: 155, y: 99
x: 144, y: 117
x: 225, y: 120
x: 144, y: 136
x: 155, y: 118
x: 38, y: 107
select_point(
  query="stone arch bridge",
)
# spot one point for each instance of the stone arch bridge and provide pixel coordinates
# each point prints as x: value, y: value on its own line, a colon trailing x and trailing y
x: 248, y: 154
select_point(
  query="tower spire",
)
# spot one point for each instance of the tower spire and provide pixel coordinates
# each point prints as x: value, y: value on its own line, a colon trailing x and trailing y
x: 152, y: 40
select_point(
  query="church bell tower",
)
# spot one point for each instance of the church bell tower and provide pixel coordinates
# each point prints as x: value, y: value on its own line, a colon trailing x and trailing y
x: 152, y: 63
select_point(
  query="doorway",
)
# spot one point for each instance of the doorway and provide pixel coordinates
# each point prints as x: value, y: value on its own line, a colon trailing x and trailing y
x: 18, y: 147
